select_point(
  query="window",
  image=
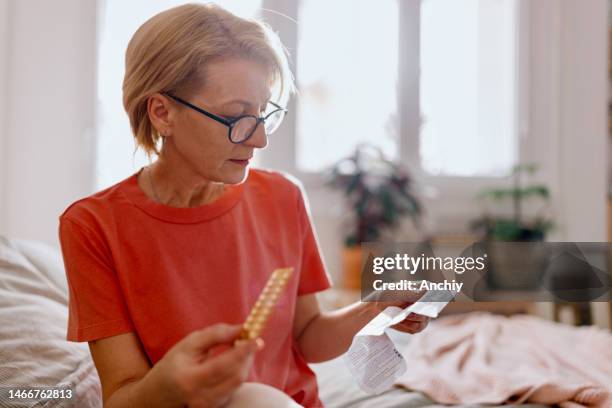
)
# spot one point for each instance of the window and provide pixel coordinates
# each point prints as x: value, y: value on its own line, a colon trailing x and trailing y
x: 468, y: 84
x: 465, y: 65
x: 347, y: 74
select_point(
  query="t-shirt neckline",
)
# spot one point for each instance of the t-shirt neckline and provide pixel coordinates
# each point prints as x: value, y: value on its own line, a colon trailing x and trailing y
x: 183, y: 215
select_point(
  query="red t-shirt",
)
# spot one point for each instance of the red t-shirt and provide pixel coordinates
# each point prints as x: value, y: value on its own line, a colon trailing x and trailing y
x: 135, y: 265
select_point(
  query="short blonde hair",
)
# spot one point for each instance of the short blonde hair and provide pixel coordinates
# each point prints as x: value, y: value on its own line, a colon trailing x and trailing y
x: 169, y: 53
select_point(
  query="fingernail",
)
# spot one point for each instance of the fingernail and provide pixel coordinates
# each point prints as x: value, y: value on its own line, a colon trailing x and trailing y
x: 259, y: 343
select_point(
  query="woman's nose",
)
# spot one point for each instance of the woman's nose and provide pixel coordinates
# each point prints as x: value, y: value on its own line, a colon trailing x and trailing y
x: 259, y: 139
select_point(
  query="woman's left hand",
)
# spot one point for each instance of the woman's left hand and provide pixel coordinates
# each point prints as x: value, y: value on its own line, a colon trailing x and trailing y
x: 413, y: 323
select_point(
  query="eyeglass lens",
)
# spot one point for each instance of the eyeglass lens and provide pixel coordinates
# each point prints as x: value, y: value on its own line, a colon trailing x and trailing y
x: 243, y: 128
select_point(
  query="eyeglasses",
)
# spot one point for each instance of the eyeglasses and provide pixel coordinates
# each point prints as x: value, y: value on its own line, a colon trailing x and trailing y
x: 241, y: 128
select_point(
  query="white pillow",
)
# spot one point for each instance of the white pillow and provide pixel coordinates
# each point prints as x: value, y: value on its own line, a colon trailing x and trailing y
x: 46, y: 259
x: 33, y: 318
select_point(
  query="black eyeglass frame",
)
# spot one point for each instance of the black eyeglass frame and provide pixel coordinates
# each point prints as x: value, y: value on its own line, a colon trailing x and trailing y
x: 230, y: 123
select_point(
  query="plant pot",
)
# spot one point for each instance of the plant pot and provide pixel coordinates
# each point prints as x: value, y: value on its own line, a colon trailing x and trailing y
x: 516, y: 266
x: 351, y: 267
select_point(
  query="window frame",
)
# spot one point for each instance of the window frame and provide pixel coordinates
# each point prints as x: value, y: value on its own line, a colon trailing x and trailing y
x: 281, y: 154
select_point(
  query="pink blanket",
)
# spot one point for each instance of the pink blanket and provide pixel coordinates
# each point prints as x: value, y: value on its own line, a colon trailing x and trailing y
x: 482, y: 358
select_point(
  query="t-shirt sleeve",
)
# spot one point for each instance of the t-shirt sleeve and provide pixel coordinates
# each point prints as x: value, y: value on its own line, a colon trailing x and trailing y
x: 313, y: 274
x: 96, y: 306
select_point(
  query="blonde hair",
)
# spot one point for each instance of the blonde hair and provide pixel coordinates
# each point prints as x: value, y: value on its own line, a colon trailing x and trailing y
x: 169, y: 53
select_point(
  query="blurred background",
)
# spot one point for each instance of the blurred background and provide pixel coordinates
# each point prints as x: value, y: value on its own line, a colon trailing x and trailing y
x: 454, y: 118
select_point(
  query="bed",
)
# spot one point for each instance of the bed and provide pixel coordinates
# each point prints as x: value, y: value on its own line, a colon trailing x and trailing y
x: 33, y: 349
x: 338, y: 390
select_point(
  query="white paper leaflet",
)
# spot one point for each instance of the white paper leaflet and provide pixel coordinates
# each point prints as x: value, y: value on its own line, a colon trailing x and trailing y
x: 373, y: 359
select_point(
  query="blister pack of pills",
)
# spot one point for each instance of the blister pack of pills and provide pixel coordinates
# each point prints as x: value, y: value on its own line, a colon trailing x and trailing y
x: 257, y: 318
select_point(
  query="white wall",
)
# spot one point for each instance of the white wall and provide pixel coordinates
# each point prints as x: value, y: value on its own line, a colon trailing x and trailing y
x: 4, y: 52
x: 583, y: 126
x: 46, y: 154
x: 568, y: 111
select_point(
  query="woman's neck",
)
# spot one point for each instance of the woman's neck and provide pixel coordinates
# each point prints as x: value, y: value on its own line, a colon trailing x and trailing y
x: 176, y: 186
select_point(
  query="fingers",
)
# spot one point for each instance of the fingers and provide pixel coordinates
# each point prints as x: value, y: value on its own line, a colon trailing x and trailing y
x: 209, y: 380
x: 413, y: 317
x: 222, y: 391
x: 202, y: 340
x: 217, y: 395
x: 409, y: 327
x: 233, y: 363
x: 412, y: 324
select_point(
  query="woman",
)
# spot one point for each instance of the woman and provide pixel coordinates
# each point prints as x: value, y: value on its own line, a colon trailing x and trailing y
x: 164, y: 266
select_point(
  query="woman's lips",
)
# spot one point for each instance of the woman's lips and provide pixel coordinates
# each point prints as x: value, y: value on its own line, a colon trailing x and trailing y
x: 240, y: 162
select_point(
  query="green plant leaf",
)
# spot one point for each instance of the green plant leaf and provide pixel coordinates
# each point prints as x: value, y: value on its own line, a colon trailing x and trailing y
x: 535, y: 190
x: 530, y: 168
x: 497, y: 193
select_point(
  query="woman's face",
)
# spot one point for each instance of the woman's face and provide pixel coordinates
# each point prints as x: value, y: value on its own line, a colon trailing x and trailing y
x: 234, y: 87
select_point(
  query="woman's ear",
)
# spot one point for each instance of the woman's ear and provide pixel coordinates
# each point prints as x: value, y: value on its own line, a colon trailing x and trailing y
x: 161, y: 113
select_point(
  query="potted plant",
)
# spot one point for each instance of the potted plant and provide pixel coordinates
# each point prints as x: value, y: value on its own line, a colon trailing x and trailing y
x: 517, y: 266
x: 380, y: 194
x: 515, y: 228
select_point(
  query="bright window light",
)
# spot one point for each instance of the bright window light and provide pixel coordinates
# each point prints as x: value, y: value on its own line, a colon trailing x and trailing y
x: 347, y: 76
x: 468, y: 87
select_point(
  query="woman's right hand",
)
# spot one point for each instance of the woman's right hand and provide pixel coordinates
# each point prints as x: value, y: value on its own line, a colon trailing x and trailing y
x: 202, y: 377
